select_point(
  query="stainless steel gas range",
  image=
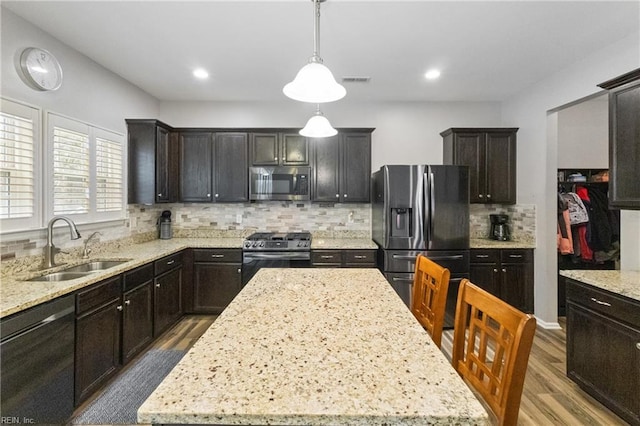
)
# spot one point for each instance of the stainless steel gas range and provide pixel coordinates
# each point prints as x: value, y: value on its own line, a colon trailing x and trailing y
x: 275, y: 250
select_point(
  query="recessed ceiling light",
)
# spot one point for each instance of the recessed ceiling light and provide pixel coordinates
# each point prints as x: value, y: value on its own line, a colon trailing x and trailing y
x: 200, y: 73
x: 432, y: 74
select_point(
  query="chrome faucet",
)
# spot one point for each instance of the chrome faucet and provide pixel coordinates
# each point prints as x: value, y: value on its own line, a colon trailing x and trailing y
x: 86, y: 250
x: 50, y: 250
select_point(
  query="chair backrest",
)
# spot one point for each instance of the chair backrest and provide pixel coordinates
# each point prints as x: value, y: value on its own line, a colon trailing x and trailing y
x: 491, y: 345
x: 429, y: 296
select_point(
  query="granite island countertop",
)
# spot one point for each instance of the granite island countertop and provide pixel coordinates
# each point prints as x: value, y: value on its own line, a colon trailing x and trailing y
x: 625, y: 283
x: 314, y: 346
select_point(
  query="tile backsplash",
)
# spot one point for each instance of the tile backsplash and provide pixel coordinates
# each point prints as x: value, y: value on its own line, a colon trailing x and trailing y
x: 238, y: 220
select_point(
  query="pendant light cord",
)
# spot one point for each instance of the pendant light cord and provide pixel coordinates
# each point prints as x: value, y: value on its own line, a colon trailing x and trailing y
x: 316, y: 32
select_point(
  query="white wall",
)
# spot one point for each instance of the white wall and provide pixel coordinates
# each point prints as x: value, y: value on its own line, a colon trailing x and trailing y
x: 89, y: 92
x: 583, y: 135
x: 405, y: 132
x: 537, y: 154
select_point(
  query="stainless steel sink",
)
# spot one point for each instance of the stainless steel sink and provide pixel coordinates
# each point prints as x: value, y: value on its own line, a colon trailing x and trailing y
x: 97, y: 265
x: 79, y: 271
x: 60, y: 276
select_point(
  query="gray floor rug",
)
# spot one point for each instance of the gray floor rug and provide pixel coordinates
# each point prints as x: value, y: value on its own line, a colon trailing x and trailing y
x: 119, y: 402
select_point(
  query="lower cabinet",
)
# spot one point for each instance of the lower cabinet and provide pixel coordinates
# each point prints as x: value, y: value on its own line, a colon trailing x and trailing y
x: 98, y: 341
x: 167, y: 292
x: 505, y: 273
x: 137, y: 313
x: 217, y: 279
x: 603, y: 347
x: 347, y: 258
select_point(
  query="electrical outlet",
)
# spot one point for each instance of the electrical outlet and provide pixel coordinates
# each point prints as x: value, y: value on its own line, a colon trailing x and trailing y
x: 239, y: 218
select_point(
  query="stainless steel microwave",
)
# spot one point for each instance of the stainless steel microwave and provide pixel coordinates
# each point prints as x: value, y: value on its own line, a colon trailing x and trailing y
x: 279, y: 183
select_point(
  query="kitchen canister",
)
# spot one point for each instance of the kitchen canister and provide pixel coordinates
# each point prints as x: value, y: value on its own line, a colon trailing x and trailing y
x: 164, y: 226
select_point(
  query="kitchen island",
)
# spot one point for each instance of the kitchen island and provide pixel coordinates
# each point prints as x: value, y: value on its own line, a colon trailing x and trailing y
x: 314, y: 346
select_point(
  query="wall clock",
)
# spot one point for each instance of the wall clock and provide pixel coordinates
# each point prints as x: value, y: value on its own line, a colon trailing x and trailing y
x: 41, y: 69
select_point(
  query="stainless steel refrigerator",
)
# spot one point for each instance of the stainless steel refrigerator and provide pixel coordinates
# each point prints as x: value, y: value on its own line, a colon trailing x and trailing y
x: 422, y: 209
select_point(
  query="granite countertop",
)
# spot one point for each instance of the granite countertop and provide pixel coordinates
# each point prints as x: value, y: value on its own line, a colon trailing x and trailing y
x: 476, y: 243
x: 314, y: 346
x: 625, y: 283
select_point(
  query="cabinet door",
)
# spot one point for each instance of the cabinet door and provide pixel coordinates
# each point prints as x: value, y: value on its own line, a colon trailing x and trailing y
x: 326, y: 258
x: 356, y: 168
x: 624, y: 146
x: 326, y: 169
x: 97, y: 348
x: 469, y: 150
x: 196, y: 167
x: 167, y: 300
x: 500, y: 168
x: 137, y: 320
x: 264, y: 149
x: 513, y: 288
x: 231, y: 181
x: 486, y: 276
x: 214, y: 286
x: 603, y: 357
x: 295, y: 149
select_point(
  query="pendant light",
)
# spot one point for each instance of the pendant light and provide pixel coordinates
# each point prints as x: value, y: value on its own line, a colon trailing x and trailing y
x: 318, y: 126
x: 315, y: 83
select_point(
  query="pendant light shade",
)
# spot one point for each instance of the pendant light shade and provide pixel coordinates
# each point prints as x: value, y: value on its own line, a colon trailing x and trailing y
x: 318, y: 126
x: 315, y: 83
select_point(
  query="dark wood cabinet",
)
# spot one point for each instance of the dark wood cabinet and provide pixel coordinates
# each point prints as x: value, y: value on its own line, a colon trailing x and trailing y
x: 153, y: 152
x: 342, y: 167
x: 490, y: 154
x: 216, y: 279
x: 167, y: 293
x: 505, y: 273
x: 137, y: 314
x: 98, y: 338
x: 279, y: 148
x: 624, y: 140
x: 346, y: 258
x: 603, y: 347
x: 213, y: 167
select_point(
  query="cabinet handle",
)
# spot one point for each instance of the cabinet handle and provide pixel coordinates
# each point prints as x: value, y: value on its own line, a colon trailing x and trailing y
x: 217, y: 256
x: 208, y: 195
x: 127, y: 302
x: 239, y: 270
x: 337, y: 195
x: 504, y: 269
x: 358, y: 256
x: 119, y: 307
x: 495, y: 270
x: 480, y: 196
x: 600, y: 302
x: 171, y: 262
x: 217, y: 195
x: 275, y: 158
x: 515, y: 256
x: 482, y: 256
x: 488, y: 195
x: 638, y: 346
x: 345, y: 195
x: 157, y: 285
x: 159, y: 195
x: 326, y: 257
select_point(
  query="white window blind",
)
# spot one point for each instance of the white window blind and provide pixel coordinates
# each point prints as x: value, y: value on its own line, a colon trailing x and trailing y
x: 70, y: 172
x: 19, y: 139
x: 109, y: 178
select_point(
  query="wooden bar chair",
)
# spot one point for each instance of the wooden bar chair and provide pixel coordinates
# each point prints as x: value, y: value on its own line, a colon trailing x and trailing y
x: 429, y: 296
x: 491, y: 345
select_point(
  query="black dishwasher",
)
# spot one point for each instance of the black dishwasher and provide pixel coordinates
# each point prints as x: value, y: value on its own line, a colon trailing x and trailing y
x: 36, y: 356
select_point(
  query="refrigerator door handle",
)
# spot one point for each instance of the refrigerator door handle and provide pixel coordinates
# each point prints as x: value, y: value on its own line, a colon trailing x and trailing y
x: 404, y: 257
x: 453, y: 257
x: 432, y: 203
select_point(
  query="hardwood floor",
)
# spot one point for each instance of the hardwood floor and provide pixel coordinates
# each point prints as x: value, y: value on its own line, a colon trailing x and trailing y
x: 549, y: 397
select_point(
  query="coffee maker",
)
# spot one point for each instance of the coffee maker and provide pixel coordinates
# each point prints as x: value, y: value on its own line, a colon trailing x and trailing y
x: 499, y: 227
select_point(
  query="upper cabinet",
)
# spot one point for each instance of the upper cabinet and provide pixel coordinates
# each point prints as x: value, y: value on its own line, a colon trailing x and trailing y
x: 213, y: 166
x: 624, y: 140
x: 490, y: 154
x: 342, y: 167
x: 276, y: 148
x: 153, y: 151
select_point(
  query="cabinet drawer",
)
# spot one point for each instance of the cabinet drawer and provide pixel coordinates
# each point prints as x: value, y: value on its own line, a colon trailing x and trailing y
x: 608, y: 304
x: 359, y: 256
x: 167, y: 263
x: 485, y: 256
x: 326, y: 256
x: 516, y: 256
x: 217, y: 255
x: 135, y: 277
x: 98, y: 295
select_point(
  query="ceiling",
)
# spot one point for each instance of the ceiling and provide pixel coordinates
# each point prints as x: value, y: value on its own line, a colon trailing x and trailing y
x: 486, y: 50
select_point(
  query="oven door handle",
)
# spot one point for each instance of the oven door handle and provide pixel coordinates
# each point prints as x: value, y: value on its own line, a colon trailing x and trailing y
x: 277, y: 256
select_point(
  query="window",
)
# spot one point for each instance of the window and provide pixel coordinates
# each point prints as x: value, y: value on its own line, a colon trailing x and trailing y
x: 87, y: 171
x: 19, y: 157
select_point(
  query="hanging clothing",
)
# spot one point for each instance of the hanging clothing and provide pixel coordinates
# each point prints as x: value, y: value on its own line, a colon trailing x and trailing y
x: 565, y: 241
